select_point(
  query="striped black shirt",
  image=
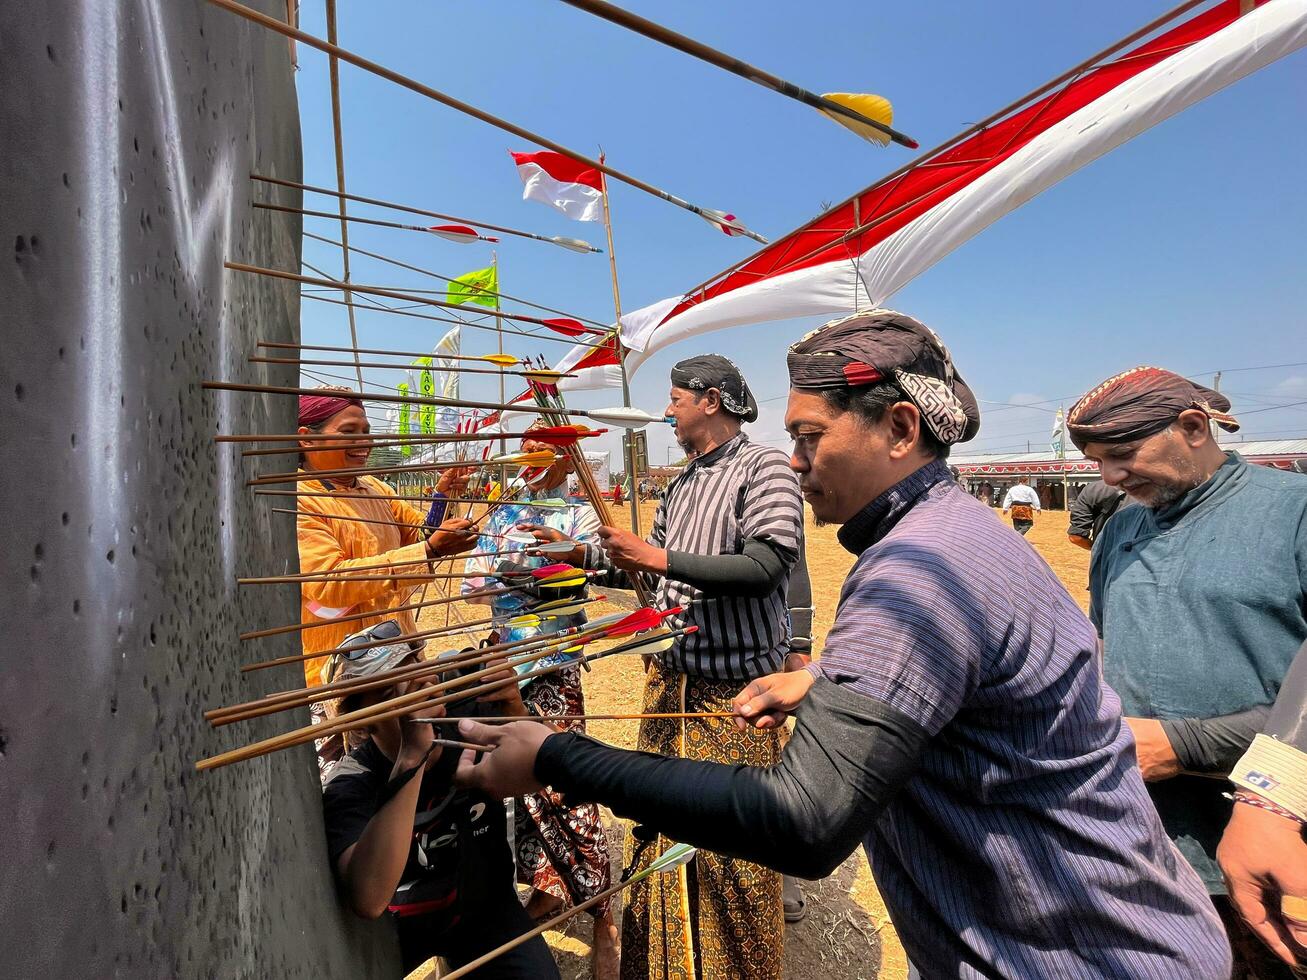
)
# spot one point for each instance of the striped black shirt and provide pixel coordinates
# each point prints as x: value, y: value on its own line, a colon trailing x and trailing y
x: 736, y: 492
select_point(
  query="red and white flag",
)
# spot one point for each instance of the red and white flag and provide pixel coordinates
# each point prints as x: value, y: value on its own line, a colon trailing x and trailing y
x: 561, y: 182
x: 857, y: 254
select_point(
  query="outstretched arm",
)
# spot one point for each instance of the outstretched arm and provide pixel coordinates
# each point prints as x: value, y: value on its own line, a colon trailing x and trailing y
x: 847, y: 758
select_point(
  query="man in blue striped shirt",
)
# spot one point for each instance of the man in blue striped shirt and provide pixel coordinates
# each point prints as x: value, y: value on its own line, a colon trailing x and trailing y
x: 957, y: 725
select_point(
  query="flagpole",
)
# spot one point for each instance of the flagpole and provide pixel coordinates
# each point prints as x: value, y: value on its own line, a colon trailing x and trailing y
x: 503, y: 394
x: 333, y: 66
x: 628, y: 438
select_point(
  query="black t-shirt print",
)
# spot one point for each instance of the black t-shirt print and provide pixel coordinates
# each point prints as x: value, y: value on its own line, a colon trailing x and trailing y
x: 458, y: 859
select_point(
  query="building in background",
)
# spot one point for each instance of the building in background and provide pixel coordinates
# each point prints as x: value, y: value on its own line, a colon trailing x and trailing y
x: 987, y: 476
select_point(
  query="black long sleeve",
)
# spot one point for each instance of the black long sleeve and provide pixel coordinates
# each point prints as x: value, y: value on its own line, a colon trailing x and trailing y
x: 1288, y: 718
x: 847, y: 758
x: 1214, y: 744
x: 755, y: 573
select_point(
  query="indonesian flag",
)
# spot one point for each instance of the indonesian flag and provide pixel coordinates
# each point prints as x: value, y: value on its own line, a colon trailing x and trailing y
x: 562, y: 182
x: 857, y: 254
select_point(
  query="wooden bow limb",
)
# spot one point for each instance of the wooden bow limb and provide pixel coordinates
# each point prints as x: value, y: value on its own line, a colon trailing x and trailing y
x: 406, y: 704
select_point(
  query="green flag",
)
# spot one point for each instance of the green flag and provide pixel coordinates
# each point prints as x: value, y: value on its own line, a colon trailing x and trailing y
x: 481, y: 286
x: 404, y: 425
x: 427, y: 386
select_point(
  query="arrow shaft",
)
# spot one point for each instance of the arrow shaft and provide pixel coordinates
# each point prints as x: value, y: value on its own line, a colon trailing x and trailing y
x: 404, y: 207
x: 438, y: 276
x: 254, y: 359
x: 697, y: 49
x: 396, y: 399
x: 377, y: 222
x: 334, y: 50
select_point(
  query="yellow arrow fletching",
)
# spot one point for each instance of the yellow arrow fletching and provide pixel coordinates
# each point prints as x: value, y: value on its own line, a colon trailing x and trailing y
x: 541, y: 457
x: 543, y: 375
x: 503, y: 360
x: 529, y: 621
x: 875, y: 107
x: 563, y: 580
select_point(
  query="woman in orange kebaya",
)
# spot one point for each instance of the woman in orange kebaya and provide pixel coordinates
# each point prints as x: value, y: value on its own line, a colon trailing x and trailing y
x: 326, y: 544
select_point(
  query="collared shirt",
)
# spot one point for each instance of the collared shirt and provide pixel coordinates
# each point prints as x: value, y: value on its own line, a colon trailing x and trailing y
x: 722, y: 499
x: 1202, y: 606
x: 1025, y: 845
x: 1021, y: 493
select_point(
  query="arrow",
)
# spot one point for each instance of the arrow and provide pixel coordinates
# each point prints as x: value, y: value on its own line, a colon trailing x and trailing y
x: 830, y: 105
x: 532, y: 373
x: 571, y: 328
x: 405, y: 704
x: 538, y: 457
x: 402, y: 296
x: 621, y: 416
x: 575, y: 244
x: 676, y: 856
x: 335, y: 50
x: 455, y: 233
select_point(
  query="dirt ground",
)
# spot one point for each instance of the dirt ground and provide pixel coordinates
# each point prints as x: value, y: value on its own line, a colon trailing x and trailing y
x: 846, y: 934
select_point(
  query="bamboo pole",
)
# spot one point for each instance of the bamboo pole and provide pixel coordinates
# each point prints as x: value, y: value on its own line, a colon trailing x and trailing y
x: 504, y: 719
x: 272, y: 24
x: 628, y: 437
x: 333, y: 67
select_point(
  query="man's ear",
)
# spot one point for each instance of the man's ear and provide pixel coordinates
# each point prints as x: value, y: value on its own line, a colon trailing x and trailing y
x: 712, y: 401
x: 1194, y: 427
x: 904, y: 421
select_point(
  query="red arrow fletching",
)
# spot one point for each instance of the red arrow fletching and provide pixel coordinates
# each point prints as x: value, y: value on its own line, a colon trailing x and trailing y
x: 569, y: 327
x: 455, y: 233
x: 639, y: 621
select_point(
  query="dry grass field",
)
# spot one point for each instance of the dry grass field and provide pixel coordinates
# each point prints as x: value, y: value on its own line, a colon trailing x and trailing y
x: 846, y: 934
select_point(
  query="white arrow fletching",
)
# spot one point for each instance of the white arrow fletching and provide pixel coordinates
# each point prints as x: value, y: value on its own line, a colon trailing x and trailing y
x: 575, y: 244
x: 554, y: 547
x: 622, y: 417
x: 674, y: 857
x: 659, y: 641
x: 605, y: 620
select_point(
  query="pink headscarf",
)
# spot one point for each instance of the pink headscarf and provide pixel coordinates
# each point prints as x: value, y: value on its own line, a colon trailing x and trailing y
x: 319, y: 408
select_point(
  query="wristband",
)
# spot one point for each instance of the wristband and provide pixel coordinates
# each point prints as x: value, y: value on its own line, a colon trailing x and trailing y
x: 1276, y: 772
x: 1252, y: 799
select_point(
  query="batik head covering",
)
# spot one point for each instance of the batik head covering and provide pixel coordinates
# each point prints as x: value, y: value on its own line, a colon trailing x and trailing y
x: 315, y: 409
x: 1142, y: 402
x: 714, y: 371
x: 890, y: 347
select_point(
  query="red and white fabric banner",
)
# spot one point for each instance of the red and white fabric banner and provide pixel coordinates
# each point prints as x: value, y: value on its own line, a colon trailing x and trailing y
x: 561, y: 182
x: 856, y: 255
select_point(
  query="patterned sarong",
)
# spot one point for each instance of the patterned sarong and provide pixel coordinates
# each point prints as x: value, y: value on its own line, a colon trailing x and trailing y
x: 561, y: 851
x: 722, y: 915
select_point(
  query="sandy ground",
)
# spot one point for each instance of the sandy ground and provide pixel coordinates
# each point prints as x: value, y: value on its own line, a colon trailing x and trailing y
x: 847, y: 934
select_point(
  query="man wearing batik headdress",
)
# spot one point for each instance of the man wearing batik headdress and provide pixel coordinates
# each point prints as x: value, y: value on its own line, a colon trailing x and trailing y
x: 1200, y: 596
x: 956, y: 725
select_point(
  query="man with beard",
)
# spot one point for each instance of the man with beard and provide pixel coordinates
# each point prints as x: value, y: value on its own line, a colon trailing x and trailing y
x: 1200, y: 596
x: 957, y: 724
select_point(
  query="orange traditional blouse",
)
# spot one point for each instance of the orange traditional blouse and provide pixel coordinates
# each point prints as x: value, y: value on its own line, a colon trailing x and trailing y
x: 329, y: 545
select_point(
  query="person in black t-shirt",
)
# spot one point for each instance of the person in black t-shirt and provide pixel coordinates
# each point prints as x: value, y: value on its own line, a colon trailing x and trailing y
x: 402, y: 839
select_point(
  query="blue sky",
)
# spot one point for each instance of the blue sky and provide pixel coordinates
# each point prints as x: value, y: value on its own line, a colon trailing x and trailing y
x: 1183, y: 248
